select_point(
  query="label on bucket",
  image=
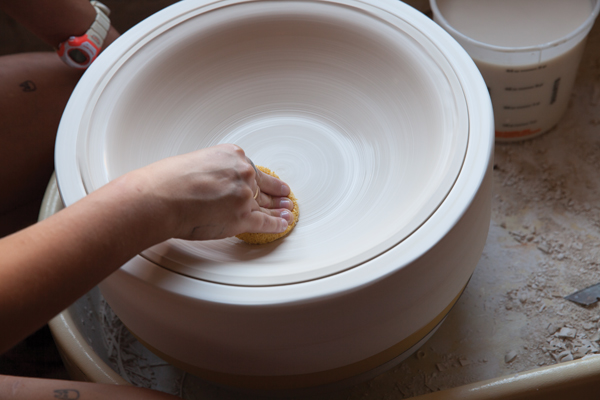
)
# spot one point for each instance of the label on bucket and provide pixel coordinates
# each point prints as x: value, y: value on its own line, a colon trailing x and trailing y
x: 530, y: 100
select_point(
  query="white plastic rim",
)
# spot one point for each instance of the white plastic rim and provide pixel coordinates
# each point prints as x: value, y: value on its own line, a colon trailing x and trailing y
x: 517, y: 55
x: 357, y: 110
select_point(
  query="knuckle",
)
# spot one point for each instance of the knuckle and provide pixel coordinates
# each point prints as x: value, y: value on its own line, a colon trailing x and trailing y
x: 239, y: 195
x: 246, y: 171
x: 245, y: 194
x: 270, y: 203
x: 237, y: 150
x: 232, y: 150
x: 245, y: 215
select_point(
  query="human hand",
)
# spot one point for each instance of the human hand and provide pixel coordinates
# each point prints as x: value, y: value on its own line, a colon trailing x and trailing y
x: 210, y: 194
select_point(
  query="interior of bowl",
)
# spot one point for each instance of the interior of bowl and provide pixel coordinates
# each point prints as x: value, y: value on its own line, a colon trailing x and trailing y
x: 361, y: 116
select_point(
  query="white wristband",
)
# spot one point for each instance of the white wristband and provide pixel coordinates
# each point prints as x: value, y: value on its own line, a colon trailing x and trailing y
x: 101, y: 25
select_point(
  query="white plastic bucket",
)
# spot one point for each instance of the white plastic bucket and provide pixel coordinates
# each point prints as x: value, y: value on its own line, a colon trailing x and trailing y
x: 528, y: 53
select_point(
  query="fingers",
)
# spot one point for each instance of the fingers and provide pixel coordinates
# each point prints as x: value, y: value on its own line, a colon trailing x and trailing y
x: 279, y: 213
x: 269, y: 221
x: 270, y: 185
x: 270, y: 202
x: 273, y: 212
x: 269, y: 191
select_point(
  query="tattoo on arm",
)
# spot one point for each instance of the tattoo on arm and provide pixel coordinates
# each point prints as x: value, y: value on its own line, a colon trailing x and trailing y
x: 67, y: 394
x: 28, y: 86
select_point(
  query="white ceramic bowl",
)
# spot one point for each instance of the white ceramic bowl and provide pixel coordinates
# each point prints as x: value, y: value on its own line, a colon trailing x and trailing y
x: 377, y: 119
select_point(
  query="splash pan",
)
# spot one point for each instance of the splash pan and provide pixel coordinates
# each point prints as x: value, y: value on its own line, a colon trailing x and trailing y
x: 356, y: 109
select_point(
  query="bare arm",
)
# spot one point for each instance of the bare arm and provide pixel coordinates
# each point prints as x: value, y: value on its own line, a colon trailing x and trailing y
x: 208, y: 194
x: 17, y: 388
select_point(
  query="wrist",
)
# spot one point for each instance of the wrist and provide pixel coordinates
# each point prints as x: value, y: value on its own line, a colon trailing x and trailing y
x: 80, y: 51
x: 147, y: 213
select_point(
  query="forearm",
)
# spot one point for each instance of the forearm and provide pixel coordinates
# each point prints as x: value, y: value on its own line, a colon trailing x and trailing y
x: 54, y: 21
x: 205, y: 194
x: 48, y: 266
x: 17, y: 388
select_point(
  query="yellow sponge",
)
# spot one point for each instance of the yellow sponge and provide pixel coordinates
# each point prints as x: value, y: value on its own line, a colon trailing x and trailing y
x: 262, y: 238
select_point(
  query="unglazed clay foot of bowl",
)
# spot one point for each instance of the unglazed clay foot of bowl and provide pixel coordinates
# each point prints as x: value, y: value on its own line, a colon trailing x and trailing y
x: 376, y: 118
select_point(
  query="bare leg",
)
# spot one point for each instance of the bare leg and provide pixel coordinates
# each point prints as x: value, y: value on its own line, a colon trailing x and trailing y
x: 34, y: 89
x: 17, y: 388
